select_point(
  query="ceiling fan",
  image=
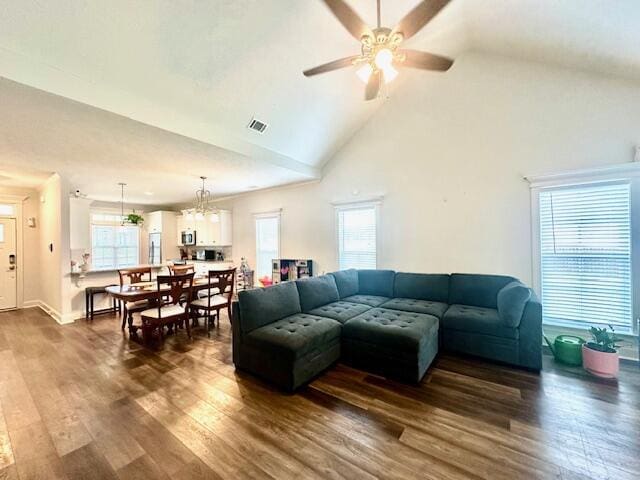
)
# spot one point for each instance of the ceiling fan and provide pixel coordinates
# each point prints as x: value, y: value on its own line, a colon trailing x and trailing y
x: 380, y: 52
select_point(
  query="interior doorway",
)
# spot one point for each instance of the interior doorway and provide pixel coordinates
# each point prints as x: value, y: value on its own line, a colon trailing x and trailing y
x: 8, y: 264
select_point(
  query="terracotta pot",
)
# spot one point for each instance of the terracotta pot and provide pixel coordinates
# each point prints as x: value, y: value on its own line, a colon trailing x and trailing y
x: 600, y: 364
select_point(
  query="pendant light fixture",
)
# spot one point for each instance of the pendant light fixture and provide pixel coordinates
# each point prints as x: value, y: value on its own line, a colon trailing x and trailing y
x: 122, y: 185
x: 202, y: 206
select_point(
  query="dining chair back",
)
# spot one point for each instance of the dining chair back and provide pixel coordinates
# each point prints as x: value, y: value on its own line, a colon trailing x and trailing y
x: 174, y: 294
x: 133, y: 275
x: 181, y: 269
x: 219, y: 296
x: 180, y: 287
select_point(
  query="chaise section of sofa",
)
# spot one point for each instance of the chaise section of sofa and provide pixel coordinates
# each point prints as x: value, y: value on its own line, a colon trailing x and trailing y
x: 275, y: 340
x: 475, y: 324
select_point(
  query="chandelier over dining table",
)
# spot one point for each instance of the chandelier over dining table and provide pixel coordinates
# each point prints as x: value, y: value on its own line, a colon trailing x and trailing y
x: 203, y: 206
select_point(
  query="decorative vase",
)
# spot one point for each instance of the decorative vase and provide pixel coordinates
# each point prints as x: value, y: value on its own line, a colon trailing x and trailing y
x: 600, y: 364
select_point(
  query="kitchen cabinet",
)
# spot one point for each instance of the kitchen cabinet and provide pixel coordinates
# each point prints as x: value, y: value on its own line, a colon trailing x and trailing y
x: 208, y: 233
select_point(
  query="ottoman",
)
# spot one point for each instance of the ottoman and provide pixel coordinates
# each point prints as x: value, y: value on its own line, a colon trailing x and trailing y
x: 396, y: 344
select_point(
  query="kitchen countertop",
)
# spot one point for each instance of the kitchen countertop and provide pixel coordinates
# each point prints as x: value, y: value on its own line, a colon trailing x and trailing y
x: 157, y: 266
x: 111, y: 270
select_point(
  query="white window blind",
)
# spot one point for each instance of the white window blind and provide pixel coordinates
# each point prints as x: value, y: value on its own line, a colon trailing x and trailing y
x: 585, y: 235
x: 114, y: 246
x: 267, y: 243
x: 357, y: 237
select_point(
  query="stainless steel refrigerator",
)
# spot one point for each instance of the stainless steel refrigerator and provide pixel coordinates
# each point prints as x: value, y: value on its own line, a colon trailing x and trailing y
x: 155, y: 248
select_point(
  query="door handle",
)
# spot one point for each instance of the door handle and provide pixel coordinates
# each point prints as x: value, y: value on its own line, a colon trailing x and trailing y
x: 12, y: 267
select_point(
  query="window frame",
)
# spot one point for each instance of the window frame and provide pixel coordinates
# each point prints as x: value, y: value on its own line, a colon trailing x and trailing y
x: 277, y: 214
x: 375, y: 204
x: 114, y: 224
x: 616, y: 174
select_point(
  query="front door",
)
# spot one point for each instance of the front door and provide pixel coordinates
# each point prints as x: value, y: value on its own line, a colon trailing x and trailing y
x: 8, y: 265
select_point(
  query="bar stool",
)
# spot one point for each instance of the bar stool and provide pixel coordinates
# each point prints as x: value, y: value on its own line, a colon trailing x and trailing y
x: 89, y: 293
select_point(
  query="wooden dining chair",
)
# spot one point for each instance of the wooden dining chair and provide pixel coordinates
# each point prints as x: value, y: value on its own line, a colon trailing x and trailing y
x: 219, y: 296
x: 181, y: 269
x: 128, y: 276
x: 170, y: 289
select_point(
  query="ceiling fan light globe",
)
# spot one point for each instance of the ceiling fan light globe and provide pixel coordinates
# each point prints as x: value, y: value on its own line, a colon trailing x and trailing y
x: 383, y: 59
x: 189, y: 216
x: 199, y: 216
x: 364, y: 72
x: 214, y: 218
x: 390, y: 74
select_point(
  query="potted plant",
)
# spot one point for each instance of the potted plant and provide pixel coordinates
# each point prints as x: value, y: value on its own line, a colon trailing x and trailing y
x: 600, y: 356
x: 135, y: 219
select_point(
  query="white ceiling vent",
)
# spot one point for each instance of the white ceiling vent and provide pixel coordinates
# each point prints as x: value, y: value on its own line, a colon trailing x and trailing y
x: 257, y: 125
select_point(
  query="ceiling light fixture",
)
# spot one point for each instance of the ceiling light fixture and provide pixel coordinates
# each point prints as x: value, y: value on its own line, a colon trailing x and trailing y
x: 380, y: 52
x: 122, y: 185
x: 202, y: 206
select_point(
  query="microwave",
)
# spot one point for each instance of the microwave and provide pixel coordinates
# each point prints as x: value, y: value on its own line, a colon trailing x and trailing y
x: 188, y: 238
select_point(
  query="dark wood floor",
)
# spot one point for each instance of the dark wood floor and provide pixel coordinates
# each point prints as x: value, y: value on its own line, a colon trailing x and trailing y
x: 82, y: 402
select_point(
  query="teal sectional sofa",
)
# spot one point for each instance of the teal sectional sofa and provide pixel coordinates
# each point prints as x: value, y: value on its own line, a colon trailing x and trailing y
x: 385, y: 322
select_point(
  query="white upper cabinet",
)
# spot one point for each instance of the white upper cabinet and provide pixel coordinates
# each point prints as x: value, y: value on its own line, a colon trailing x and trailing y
x: 226, y: 228
x: 154, y: 222
x: 208, y: 233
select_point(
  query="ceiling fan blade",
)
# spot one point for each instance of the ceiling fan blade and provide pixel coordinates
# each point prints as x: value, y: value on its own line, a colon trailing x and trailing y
x: 417, y: 18
x: 426, y: 61
x: 328, y: 67
x: 373, y: 85
x: 349, y: 18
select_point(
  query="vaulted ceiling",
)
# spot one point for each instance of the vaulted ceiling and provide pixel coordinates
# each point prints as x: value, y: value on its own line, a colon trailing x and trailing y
x: 189, y: 75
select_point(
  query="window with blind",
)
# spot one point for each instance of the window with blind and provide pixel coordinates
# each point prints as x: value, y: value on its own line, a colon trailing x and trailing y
x: 585, y: 250
x: 357, y: 236
x: 267, y: 243
x: 113, y: 245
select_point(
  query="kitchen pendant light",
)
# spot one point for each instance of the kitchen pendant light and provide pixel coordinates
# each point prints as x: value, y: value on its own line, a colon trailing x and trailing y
x: 122, y: 185
x: 202, y: 206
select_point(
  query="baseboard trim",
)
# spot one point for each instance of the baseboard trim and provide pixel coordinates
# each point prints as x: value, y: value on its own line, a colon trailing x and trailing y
x: 52, y: 312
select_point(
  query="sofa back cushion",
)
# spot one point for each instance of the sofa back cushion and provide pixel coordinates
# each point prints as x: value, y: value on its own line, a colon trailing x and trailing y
x: 317, y: 291
x: 376, y: 282
x: 262, y: 306
x: 512, y: 298
x: 476, y: 289
x: 347, y: 282
x: 422, y: 286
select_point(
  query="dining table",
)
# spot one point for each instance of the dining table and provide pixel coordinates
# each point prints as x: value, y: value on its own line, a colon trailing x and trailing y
x: 148, y: 290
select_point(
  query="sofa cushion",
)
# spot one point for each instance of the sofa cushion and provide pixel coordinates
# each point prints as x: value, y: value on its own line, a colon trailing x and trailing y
x: 480, y: 320
x: 402, y: 332
x: 347, y: 282
x: 436, y: 309
x: 317, y: 291
x: 476, y: 290
x: 376, y: 282
x: 512, y: 299
x: 422, y: 286
x: 294, y: 336
x: 340, y: 311
x: 262, y: 306
x: 371, y: 300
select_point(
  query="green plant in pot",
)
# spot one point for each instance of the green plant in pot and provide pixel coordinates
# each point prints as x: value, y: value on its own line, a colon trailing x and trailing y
x: 135, y: 219
x: 600, y: 356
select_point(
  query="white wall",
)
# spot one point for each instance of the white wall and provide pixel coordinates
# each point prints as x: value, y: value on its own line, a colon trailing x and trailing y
x: 449, y: 152
x: 51, y: 273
